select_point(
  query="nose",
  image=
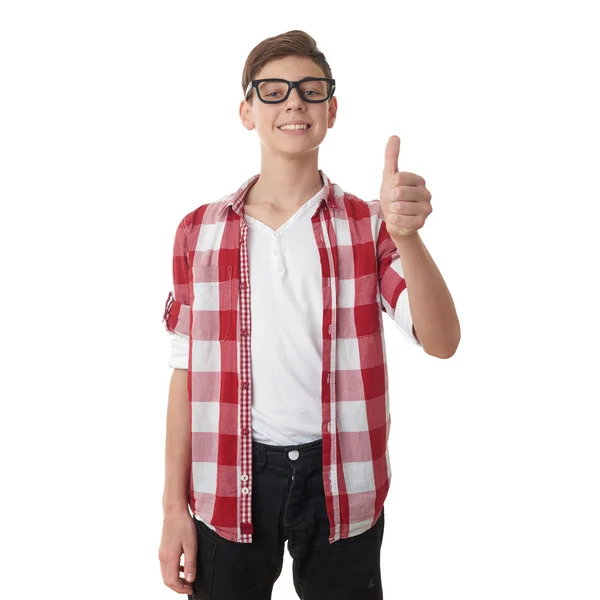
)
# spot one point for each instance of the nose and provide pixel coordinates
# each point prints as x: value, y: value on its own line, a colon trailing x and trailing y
x: 295, y: 97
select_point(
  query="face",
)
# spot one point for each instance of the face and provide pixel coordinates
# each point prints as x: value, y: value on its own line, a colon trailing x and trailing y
x: 266, y: 117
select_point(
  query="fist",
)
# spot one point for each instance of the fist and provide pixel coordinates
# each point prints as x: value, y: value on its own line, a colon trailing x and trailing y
x: 405, y: 200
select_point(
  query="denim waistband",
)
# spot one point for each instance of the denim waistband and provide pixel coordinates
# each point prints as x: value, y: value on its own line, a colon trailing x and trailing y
x: 309, y: 452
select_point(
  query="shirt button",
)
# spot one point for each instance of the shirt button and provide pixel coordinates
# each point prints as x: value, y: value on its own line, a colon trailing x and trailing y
x: 245, y: 333
x: 275, y: 251
x: 244, y: 477
x: 245, y: 431
x: 245, y: 384
x: 243, y: 286
x: 245, y: 490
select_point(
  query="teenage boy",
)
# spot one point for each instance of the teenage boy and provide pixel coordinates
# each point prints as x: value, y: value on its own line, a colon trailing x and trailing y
x: 278, y: 416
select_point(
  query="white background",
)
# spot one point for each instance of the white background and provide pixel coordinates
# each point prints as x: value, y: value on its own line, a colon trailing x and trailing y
x: 118, y: 118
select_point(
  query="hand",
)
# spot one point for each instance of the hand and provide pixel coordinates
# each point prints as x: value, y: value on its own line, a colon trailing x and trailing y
x: 405, y: 200
x: 178, y: 536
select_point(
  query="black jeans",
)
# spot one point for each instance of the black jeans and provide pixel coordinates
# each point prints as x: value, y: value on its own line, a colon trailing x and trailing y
x: 288, y: 503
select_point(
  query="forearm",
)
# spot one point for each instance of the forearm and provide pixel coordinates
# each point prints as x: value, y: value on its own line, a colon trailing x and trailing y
x: 431, y: 305
x: 178, y: 446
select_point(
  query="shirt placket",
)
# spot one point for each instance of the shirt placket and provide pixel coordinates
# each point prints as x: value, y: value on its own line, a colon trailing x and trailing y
x: 245, y: 392
x: 327, y: 237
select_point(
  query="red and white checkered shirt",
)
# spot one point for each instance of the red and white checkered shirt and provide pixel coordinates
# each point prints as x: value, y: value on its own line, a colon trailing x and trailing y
x: 211, y: 305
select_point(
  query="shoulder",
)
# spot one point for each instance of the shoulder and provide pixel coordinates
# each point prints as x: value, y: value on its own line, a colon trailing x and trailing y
x: 208, y: 213
x: 375, y: 208
x: 353, y: 205
x: 357, y: 208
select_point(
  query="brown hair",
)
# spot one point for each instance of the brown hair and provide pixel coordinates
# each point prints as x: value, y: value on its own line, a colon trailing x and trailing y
x: 291, y: 42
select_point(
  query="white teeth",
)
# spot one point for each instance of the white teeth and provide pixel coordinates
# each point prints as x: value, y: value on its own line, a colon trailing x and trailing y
x: 294, y: 127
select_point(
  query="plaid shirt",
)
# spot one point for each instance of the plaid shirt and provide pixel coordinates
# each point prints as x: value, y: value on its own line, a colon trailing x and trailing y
x: 362, y: 276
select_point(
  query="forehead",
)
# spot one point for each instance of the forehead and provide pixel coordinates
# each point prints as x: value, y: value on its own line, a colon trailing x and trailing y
x: 290, y: 67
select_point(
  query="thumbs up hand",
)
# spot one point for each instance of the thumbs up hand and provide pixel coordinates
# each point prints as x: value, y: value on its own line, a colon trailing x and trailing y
x: 405, y: 200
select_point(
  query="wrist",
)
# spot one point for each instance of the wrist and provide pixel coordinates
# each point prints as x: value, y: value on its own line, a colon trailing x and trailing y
x: 176, y: 513
x: 173, y: 508
x: 400, y: 239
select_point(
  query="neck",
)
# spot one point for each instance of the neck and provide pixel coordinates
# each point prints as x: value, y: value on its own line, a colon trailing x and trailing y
x: 285, y: 186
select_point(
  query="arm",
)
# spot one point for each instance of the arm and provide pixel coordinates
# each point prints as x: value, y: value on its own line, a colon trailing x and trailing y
x: 430, y: 300
x: 178, y: 441
x: 179, y: 529
x: 178, y: 446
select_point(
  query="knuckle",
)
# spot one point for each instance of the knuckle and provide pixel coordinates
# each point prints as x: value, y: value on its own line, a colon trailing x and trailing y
x: 190, y: 545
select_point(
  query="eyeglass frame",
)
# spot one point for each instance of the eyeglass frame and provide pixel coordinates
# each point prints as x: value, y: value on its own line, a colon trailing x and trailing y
x: 291, y: 84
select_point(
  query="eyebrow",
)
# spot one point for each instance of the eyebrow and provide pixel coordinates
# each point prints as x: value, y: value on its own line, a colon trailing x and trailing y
x: 304, y: 77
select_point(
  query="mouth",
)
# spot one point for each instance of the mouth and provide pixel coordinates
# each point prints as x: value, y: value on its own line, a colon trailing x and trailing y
x: 294, y: 130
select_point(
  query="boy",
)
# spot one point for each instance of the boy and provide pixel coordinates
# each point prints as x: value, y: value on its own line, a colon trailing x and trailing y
x: 278, y: 415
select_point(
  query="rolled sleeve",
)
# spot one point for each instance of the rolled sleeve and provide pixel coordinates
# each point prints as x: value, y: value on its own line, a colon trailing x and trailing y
x: 176, y: 315
x: 393, y: 292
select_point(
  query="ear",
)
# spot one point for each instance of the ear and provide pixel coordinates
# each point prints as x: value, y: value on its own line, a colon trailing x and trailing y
x: 332, y: 111
x: 246, y: 115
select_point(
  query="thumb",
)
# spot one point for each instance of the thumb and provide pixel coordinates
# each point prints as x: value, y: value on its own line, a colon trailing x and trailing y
x: 189, y: 564
x: 392, y: 152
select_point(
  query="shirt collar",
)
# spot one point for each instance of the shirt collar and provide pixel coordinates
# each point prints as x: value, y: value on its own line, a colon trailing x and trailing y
x: 237, y: 200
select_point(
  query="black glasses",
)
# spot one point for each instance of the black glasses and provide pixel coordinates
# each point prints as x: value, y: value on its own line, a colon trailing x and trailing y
x: 274, y: 91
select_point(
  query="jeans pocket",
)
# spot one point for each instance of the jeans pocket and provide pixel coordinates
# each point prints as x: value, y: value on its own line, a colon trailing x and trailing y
x: 205, y: 564
x: 258, y: 462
